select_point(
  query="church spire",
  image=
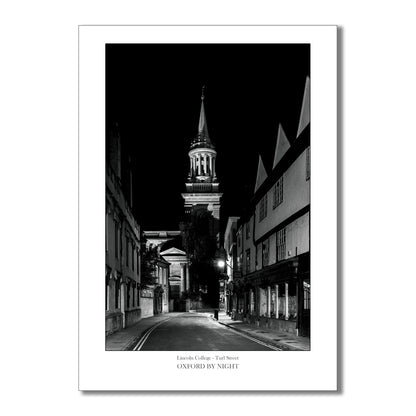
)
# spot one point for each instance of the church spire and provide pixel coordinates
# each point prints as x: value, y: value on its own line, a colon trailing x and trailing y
x: 202, y: 127
x: 202, y: 140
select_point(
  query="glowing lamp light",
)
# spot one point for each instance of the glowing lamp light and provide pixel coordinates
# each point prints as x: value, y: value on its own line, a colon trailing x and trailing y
x: 221, y: 263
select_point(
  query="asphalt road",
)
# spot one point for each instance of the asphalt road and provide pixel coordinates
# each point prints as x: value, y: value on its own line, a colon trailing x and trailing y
x: 196, y: 332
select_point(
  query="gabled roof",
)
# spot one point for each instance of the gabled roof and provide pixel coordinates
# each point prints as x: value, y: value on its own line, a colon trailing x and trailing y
x: 173, y: 251
x: 261, y: 174
x: 304, y: 119
x: 282, y: 146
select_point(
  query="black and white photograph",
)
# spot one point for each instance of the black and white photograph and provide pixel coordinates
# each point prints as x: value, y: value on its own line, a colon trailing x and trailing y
x: 200, y: 205
x: 208, y: 197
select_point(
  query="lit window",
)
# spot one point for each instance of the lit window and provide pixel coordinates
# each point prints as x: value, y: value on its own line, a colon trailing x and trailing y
x: 278, y: 192
x: 281, y: 244
x: 263, y: 208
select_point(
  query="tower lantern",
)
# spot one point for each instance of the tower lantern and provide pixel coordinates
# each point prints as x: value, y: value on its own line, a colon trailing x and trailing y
x: 202, y: 187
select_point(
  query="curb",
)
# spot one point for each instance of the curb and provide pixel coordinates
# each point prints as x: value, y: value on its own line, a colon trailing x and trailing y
x: 281, y: 345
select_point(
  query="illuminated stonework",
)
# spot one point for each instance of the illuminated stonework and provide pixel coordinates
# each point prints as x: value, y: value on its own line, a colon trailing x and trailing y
x: 202, y: 187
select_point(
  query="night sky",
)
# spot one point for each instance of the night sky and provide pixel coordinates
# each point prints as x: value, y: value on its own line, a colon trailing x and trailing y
x: 153, y: 93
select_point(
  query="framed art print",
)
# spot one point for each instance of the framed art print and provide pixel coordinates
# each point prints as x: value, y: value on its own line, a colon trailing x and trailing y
x: 207, y: 208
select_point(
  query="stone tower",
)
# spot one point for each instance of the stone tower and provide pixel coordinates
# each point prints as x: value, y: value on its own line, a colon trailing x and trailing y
x: 202, y: 187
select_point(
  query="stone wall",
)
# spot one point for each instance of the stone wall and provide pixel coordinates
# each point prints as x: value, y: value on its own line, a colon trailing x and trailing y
x: 146, y: 305
x: 133, y: 316
x: 271, y: 323
x: 279, y: 325
x: 113, y: 322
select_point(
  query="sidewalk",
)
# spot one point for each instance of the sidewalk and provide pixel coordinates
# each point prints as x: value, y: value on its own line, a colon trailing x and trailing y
x: 126, y: 338
x: 283, y: 340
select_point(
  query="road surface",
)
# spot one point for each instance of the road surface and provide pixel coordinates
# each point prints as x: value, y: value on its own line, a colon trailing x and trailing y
x: 196, y: 332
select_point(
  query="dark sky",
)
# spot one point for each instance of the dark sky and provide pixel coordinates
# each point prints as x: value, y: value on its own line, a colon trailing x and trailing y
x: 153, y: 93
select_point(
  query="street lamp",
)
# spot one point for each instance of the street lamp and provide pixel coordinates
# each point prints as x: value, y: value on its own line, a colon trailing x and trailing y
x: 221, y: 263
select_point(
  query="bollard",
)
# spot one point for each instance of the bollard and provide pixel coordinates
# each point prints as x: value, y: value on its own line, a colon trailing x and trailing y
x: 216, y: 314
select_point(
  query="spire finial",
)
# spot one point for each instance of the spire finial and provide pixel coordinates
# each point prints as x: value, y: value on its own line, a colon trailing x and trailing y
x: 203, y: 90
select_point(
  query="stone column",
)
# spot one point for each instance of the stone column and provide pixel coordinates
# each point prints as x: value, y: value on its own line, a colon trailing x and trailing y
x: 210, y: 164
x: 286, y: 301
x: 276, y: 306
x: 123, y: 302
x: 199, y: 165
x: 213, y: 167
x: 269, y: 301
x: 187, y: 277
x: 182, y: 279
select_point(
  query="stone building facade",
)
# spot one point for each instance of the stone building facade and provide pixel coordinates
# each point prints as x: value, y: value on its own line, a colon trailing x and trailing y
x: 231, y: 269
x: 122, y: 249
x: 170, y: 249
x: 273, y: 286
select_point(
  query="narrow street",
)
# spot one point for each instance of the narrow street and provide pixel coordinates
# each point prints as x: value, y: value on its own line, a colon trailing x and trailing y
x: 196, y: 332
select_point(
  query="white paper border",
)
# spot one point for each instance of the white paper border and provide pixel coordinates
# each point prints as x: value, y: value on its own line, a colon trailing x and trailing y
x: 109, y: 370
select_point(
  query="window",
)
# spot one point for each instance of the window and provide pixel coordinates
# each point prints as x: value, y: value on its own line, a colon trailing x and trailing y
x: 116, y: 240
x: 106, y: 231
x: 127, y: 251
x: 240, y: 262
x: 258, y: 256
x: 308, y: 163
x: 132, y: 257
x: 128, y: 295
x: 117, y: 294
x: 248, y: 230
x: 265, y: 253
x: 107, y: 306
x: 263, y: 208
x: 278, y: 192
x: 248, y: 261
x: 281, y: 244
x: 120, y: 248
